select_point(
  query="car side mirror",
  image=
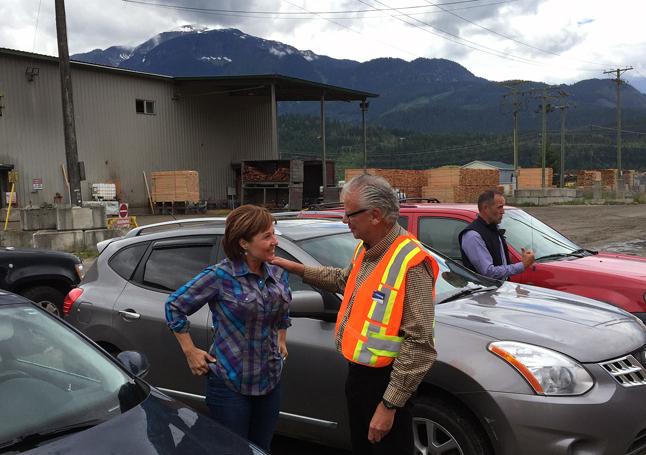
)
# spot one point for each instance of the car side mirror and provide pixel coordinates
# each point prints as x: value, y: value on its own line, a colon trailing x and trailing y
x: 135, y: 362
x: 306, y: 304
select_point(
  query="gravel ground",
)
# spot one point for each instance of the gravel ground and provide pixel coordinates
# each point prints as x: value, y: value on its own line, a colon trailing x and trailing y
x: 614, y: 228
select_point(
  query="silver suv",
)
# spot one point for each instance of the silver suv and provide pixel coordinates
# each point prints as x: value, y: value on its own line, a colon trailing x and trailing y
x: 521, y: 370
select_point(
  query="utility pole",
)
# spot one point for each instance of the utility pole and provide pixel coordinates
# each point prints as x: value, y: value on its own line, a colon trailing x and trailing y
x: 71, y: 150
x: 590, y: 142
x: 364, y: 107
x: 323, y: 145
x: 618, y: 71
x: 546, y: 109
x: 563, y: 108
x: 514, y: 86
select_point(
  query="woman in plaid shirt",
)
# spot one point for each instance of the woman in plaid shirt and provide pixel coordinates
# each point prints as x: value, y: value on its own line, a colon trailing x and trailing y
x: 249, y: 300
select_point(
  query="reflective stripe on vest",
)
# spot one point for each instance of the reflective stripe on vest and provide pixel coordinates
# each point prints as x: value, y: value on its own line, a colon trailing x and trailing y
x: 372, y: 338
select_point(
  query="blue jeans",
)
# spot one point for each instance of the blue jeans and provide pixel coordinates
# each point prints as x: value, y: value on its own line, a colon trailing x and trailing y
x: 253, y: 417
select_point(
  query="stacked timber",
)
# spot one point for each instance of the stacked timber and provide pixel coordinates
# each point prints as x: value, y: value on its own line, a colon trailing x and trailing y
x: 608, y: 178
x: 440, y: 184
x: 629, y: 179
x: 256, y: 174
x: 460, y: 184
x: 530, y: 178
x: 474, y: 181
x: 585, y: 179
x: 175, y: 186
x: 407, y: 181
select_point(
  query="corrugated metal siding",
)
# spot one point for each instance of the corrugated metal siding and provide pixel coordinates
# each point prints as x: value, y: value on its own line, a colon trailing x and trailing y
x: 204, y: 133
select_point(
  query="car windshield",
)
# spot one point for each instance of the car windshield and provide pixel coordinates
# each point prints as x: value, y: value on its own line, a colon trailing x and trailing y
x: 52, y: 381
x: 337, y: 250
x: 525, y: 231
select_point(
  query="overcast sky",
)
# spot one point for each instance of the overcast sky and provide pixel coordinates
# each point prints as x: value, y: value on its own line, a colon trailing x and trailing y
x: 554, y: 41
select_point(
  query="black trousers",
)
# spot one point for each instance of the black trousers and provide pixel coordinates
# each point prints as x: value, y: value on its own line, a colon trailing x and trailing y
x: 364, y: 389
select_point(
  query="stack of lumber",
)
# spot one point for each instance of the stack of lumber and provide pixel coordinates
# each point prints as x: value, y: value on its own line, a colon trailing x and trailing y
x: 608, y: 178
x: 441, y: 183
x: 474, y: 181
x: 175, y: 186
x: 407, y: 181
x: 460, y: 184
x: 585, y: 179
x: 256, y: 174
x: 629, y: 179
x: 530, y: 178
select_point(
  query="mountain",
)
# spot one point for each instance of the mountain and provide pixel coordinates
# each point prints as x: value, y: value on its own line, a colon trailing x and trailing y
x: 427, y: 95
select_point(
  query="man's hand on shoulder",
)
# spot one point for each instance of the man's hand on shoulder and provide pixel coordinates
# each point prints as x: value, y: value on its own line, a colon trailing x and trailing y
x: 527, y: 257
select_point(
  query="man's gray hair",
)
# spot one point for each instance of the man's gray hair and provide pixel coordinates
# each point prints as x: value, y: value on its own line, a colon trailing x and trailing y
x: 374, y: 192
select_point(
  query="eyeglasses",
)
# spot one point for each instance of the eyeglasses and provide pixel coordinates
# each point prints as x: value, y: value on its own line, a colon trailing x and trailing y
x: 350, y: 215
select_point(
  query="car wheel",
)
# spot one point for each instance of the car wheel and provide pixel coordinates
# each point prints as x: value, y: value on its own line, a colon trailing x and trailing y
x: 49, y: 298
x: 441, y: 428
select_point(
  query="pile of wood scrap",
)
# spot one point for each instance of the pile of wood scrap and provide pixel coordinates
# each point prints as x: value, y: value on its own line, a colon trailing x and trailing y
x: 256, y: 174
x: 174, y: 186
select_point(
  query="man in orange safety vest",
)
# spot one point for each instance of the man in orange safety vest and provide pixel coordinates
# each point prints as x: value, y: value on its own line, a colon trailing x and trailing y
x: 385, y: 324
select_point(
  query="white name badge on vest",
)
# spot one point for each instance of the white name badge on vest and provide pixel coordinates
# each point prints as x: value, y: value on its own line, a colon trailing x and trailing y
x: 378, y: 296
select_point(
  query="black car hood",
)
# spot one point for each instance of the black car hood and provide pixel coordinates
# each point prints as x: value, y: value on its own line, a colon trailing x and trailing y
x: 585, y: 329
x: 158, y: 425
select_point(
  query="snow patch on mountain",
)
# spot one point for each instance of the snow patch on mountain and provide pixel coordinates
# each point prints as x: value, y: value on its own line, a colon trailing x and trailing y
x: 216, y: 60
x: 276, y: 52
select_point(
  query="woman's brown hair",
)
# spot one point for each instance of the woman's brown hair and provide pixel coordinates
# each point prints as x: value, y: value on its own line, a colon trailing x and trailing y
x: 244, y: 223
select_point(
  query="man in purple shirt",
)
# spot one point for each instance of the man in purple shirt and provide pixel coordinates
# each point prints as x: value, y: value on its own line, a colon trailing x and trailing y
x: 482, y: 243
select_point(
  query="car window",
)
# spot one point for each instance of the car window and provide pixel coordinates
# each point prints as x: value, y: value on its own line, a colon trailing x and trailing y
x: 53, y: 379
x: 126, y: 260
x: 525, y: 231
x: 332, y: 250
x: 403, y: 221
x: 441, y: 234
x: 169, y: 269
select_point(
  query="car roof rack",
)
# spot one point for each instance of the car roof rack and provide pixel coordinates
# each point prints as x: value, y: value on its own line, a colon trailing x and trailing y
x: 423, y: 199
x: 191, y: 222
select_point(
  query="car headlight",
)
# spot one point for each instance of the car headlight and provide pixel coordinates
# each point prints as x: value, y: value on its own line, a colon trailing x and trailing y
x: 547, y: 372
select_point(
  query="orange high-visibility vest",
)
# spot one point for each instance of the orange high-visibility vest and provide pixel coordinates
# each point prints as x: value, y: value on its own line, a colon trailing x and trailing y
x: 371, y: 335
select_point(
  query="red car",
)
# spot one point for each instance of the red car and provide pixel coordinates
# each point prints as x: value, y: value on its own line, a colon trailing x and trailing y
x: 560, y: 264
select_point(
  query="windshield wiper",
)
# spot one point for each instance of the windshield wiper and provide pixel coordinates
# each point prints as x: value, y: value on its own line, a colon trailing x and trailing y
x: 576, y: 253
x: 467, y: 291
x: 32, y: 440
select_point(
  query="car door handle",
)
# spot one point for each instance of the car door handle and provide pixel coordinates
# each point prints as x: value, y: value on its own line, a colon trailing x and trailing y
x: 129, y: 314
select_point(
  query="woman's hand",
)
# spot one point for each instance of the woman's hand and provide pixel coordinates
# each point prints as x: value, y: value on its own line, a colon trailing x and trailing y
x: 290, y: 266
x: 197, y: 361
x: 196, y: 358
x: 282, y: 344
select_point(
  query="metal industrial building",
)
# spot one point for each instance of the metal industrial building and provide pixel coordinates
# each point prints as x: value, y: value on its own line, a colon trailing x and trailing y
x: 129, y: 122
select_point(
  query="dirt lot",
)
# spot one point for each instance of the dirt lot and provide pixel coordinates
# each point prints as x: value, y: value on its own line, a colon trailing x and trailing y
x: 616, y: 228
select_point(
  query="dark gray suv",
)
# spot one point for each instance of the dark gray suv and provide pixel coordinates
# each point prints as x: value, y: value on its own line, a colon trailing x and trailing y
x: 520, y: 370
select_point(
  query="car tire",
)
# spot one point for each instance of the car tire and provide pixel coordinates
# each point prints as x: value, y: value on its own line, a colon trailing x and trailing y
x: 442, y: 428
x: 48, y: 297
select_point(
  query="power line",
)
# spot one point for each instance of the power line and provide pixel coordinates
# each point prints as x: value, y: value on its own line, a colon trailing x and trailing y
x: 509, y: 38
x: 352, y: 30
x: 479, y: 47
x: 246, y: 13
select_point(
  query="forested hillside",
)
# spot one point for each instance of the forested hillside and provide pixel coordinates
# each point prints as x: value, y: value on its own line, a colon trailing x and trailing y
x: 585, y: 147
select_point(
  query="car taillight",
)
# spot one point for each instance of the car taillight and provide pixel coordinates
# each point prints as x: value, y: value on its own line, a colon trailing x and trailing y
x: 70, y: 298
